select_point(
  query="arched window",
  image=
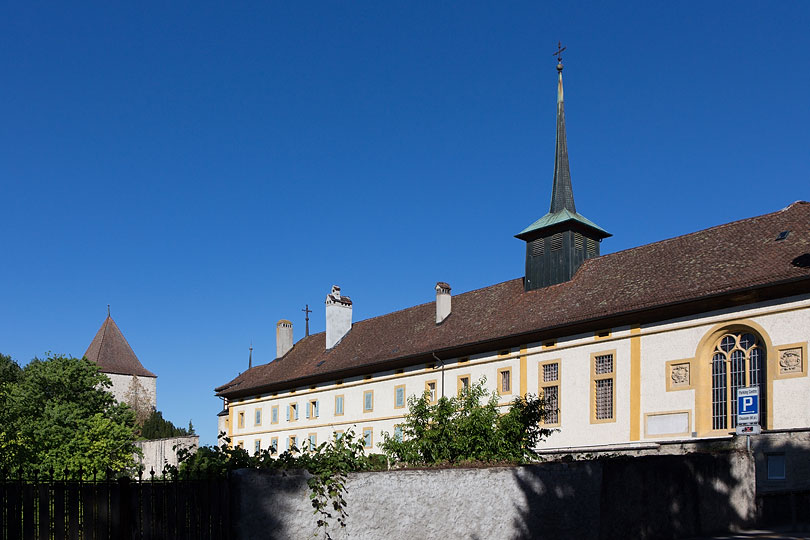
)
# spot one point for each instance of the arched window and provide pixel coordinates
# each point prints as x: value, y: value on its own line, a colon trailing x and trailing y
x: 738, y: 360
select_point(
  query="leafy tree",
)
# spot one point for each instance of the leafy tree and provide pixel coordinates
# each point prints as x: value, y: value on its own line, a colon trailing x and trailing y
x: 469, y: 427
x: 9, y: 369
x: 157, y: 427
x: 59, y: 414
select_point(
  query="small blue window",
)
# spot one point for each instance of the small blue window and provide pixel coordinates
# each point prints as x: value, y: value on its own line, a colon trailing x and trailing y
x: 400, y: 396
x: 398, y: 433
x: 368, y: 400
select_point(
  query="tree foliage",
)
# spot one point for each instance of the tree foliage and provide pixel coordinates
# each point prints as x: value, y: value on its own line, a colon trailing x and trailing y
x: 328, y: 464
x: 466, y: 428
x: 157, y: 427
x: 57, y: 414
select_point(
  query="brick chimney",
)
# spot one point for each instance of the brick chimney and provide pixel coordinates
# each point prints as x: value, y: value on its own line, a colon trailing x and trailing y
x: 442, y: 301
x: 284, y: 337
x: 338, y: 316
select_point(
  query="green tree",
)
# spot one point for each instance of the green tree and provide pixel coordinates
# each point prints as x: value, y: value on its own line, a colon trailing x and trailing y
x: 59, y: 414
x: 9, y: 375
x: 469, y: 427
x: 157, y: 427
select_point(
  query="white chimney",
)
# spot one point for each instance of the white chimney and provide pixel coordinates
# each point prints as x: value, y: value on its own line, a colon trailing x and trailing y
x: 284, y: 337
x: 338, y: 316
x: 442, y: 301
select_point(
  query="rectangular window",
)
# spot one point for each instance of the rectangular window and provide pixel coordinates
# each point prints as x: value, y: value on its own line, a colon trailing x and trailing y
x: 313, y: 442
x: 430, y: 388
x: 603, y: 386
x: 274, y: 414
x: 338, y: 435
x: 257, y: 446
x: 274, y: 445
x: 292, y: 412
x: 398, y: 433
x: 258, y: 417
x: 368, y: 437
x: 292, y: 442
x: 312, y: 409
x: 776, y: 466
x: 241, y: 419
x: 550, y: 390
x: 368, y: 401
x: 399, y: 396
x: 339, y: 405
x: 505, y: 381
x: 463, y: 383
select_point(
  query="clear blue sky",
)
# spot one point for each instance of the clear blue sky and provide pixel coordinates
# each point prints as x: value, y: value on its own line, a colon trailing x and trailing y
x: 208, y: 169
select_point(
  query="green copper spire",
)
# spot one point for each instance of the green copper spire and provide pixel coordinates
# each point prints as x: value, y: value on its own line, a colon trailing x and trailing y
x: 559, y: 242
x: 562, y: 195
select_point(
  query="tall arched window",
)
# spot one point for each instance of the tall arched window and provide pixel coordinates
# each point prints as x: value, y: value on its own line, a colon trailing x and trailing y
x: 738, y: 360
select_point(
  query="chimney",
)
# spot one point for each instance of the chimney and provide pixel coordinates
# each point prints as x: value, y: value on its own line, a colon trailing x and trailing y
x: 338, y: 316
x: 442, y: 301
x: 284, y: 337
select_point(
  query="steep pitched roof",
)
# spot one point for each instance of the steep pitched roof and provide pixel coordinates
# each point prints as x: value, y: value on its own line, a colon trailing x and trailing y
x: 110, y: 350
x: 725, y: 263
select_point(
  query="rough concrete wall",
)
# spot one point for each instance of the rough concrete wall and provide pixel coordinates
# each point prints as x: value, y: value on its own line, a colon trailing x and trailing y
x: 158, y: 452
x: 627, y: 497
x: 122, y: 384
x: 547, y: 501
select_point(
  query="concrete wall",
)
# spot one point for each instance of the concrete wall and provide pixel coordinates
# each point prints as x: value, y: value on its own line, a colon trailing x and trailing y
x: 626, y: 497
x: 158, y: 452
x: 123, y: 386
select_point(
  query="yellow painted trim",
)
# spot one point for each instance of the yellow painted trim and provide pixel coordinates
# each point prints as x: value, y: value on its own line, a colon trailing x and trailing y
x: 241, y: 420
x: 635, y: 382
x: 343, y: 405
x: 592, y: 392
x: 459, y: 385
x: 404, y: 397
x: 370, y: 431
x: 230, y: 424
x: 365, y: 393
x: 435, y: 391
x: 603, y: 334
x: 273, y: 442
x: 292, y: 442
x: 241, y: 444
x: 803, y: 372
x: 671, y: 386
x: 686, y: 433
x: 310, y: 444
x: 523, y: 371
x: 311, y: 405
x: 542, y: 384
x: 500, y: 389
x: 294, y: 412
x: 703, y: 374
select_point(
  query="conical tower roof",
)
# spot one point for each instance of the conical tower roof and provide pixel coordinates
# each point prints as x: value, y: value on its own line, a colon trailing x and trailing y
x: 110, y: 350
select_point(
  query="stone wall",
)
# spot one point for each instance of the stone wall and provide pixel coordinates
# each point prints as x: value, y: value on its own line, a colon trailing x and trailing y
x: 158, y: 452
x: 625, y: 497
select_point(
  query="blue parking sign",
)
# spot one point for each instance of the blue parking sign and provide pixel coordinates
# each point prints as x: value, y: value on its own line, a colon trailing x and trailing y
x: 748, y: 405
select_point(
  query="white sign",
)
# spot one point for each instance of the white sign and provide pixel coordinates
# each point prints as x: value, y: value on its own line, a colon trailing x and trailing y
x: 748, y: 405
x: 748, y: 429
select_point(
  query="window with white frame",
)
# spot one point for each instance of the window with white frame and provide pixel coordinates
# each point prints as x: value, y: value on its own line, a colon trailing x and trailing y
x: 430, y: 388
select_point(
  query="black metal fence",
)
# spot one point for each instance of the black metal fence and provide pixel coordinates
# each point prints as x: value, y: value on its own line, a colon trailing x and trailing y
x: 85, y: 507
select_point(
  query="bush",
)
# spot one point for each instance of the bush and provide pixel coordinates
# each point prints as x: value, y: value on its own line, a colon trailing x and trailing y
x: 467, y: 428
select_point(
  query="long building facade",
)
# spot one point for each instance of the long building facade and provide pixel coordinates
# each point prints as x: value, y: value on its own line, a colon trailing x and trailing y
x: 647, y: 344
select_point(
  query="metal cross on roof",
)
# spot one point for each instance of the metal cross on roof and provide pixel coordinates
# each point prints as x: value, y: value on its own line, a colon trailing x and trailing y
x: 307, y: 311
x: 559, y: 51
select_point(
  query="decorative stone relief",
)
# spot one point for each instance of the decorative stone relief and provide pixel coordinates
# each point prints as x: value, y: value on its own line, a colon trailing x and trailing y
x: 680, y: 375
x: 790, y: 360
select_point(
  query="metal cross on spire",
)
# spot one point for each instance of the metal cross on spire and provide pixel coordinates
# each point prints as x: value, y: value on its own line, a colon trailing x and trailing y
x: 559, y: 51
x: 307, y: 311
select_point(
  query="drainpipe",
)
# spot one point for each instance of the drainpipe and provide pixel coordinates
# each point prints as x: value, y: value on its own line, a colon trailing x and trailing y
x: 442, y: 364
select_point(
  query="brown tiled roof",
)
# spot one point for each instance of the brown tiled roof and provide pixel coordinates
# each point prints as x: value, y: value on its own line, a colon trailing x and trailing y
x: 113, y: 354
x: 709, y: 269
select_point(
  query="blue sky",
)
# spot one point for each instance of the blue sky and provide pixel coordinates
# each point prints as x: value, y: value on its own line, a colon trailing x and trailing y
x: 208, y: 169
